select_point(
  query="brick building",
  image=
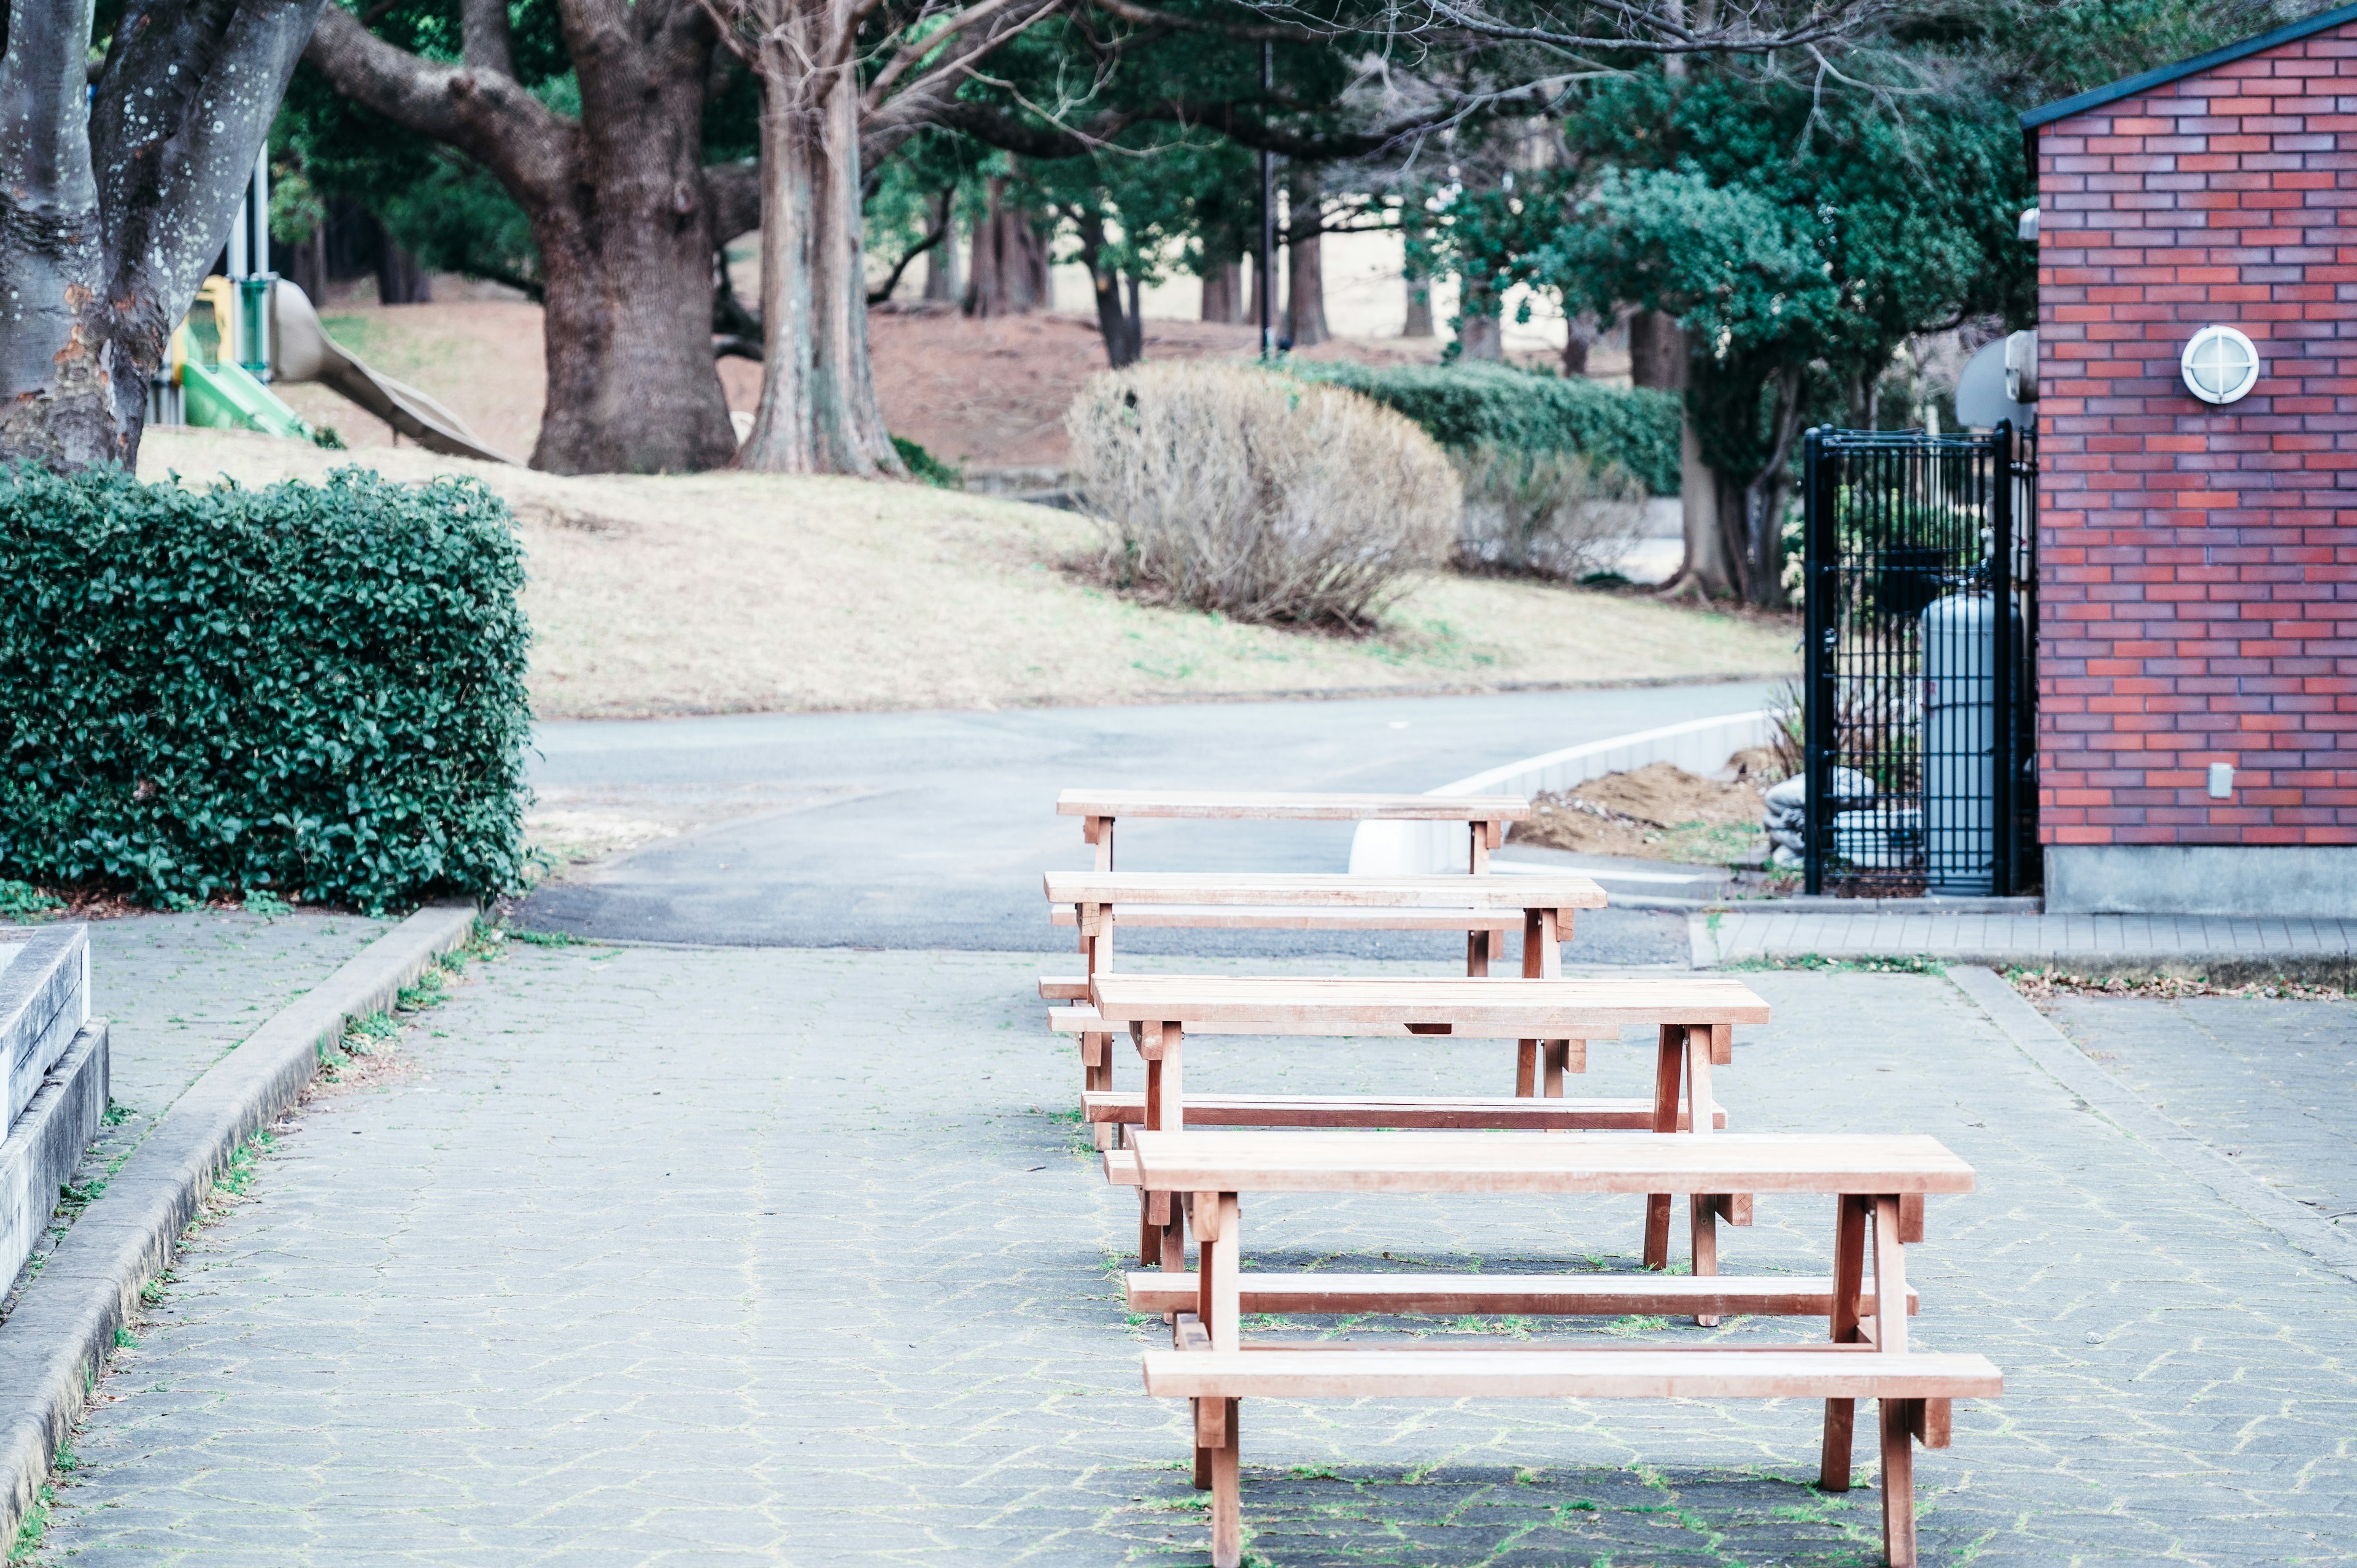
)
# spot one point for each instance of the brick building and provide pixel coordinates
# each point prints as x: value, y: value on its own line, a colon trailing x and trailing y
x: 2198, y: 501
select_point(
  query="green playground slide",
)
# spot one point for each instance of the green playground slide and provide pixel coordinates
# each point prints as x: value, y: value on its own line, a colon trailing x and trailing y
x: 226, y: 398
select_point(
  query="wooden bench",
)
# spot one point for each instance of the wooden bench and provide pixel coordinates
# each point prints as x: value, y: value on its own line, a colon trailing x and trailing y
x: 1485, y: 816
x: 1484, y: 908
x: 1693, y: 1017
x: 1871, y: 1179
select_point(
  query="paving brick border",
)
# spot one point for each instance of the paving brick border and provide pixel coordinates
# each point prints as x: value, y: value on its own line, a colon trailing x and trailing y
x: 2051, y: 1049
x: 55, y: 1344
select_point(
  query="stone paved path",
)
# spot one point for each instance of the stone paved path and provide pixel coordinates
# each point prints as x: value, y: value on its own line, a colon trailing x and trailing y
x: 797, y: 1257
x: 2274, y: 1083
x: 180, y: 990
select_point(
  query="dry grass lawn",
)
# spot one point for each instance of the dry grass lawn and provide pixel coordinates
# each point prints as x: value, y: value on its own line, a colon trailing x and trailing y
x: 736, y: 593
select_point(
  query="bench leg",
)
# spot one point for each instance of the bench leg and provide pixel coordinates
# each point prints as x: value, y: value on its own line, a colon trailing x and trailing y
x: 1526, y: 1068
x: 1897, y: 1483
x: 1227, y: 1497
x: 1669, y: 1070
x: 1477, y: 954
x: 1849, y: 1273
x: 1558, y: 1057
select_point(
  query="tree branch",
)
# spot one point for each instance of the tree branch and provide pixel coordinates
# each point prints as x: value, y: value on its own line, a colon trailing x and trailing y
x: 485, y: 114
x: 484, y: 25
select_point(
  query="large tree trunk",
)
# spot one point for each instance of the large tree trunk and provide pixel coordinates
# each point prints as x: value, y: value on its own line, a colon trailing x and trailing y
x: 399, y: 279
x: 1305, y: 259
x: 114, y: 201
x: 1009, y: 274
x: 1419, y: 308
x: 1658, y: 359
x: 1223, y: 290
x: 942, y: 261
x: 619, y: 210
x: 1479, y: 334
x: 1657, y: 352
x: 628, y: 321
x: 818, y: 412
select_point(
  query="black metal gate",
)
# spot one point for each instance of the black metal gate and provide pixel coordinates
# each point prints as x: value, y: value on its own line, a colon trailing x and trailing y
x: 1920, y: 687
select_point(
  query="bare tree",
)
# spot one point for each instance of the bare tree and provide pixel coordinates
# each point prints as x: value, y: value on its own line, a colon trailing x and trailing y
x: 115, y: 196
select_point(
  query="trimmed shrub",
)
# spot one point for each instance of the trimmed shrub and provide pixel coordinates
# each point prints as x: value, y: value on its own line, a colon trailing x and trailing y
x: 1465, y: 405
x: 1231, y: 490
x: 1553, y: 513
x: 312, y: 691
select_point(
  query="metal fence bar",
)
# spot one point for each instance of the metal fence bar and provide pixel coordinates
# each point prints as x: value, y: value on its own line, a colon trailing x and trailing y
x: 1919, y: 678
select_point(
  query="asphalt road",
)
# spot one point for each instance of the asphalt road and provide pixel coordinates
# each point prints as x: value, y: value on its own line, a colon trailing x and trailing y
x: 930, y: 829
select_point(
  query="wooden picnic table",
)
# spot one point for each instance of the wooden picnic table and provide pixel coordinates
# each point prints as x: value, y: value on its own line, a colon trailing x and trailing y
x: 1693, y: 1017
x: 1484, y: 908
x: 1485, y: 816
x: 1871, y: 1177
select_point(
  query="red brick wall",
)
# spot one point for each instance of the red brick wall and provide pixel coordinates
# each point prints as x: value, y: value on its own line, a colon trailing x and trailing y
x: 2198, y: 565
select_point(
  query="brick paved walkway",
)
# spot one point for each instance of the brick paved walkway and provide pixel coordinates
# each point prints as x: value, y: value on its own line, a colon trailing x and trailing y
x: 2069, y: 941
x: 180, y: 990
x: 2273, y: 1083
x: 795, y: 1257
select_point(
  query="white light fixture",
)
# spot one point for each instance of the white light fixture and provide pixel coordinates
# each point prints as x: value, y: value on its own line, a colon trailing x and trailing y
x: 2220, y: 365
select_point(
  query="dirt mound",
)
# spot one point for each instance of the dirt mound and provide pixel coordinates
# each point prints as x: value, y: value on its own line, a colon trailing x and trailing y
x: 1658, y: 812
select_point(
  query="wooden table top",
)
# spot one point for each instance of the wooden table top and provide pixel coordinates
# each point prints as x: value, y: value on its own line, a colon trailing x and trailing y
x: 1498, y: 1009
x: 1258, y: 1161
x: 1292, y: 805
x: 1329, y: 890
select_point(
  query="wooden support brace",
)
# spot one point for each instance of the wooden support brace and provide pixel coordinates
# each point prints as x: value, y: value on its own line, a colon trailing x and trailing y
x: 1931, y: 1423
x: 1911, y: 1217
x: 1850, y: 1215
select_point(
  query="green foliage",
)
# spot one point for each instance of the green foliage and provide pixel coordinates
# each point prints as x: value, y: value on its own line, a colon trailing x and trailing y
x: 312, y: 691
x: 1472, y: 403
x: 923, y: 465
x: 22, y: 901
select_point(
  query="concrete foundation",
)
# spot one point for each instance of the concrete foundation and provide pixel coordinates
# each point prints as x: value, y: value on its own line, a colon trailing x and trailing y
x: 2286, y: 881
x: 45, y: 1141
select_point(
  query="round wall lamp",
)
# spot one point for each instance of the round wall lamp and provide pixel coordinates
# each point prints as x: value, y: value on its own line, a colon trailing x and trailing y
x: 2220, y: 365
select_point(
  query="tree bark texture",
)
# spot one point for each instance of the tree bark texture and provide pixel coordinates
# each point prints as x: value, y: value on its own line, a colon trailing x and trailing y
x: 1657, y: 352
x: 1223, y: 291
x: 1580, y: 331
x: 1010, y: 272
x: 114, y: 199
x: 399, y: 279
x: 619, y: 211
x: 1305, y: 259
x: 1419, y: 308
x: 1479, y: 333
x: 942, y: 261
x: 818, y: 413
x: 1124, y: 331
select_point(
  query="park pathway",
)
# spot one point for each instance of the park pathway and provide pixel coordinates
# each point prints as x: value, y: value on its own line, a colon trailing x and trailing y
x: 729, y: 1255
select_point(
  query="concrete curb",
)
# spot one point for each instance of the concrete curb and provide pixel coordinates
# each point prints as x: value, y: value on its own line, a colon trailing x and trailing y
x: 2046, y: 1046
x: 55, y: 1344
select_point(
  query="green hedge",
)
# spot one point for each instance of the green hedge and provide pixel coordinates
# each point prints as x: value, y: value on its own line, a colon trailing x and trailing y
x: 312, y: 691
x: 1469, y: 404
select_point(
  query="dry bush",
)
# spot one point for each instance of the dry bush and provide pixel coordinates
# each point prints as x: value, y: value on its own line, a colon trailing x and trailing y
x: 1555, y: 514
x: 1267, y: 499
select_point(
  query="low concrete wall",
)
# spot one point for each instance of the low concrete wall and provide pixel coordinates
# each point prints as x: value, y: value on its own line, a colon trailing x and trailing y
x: 45, y: 1141
x: 1424, y: 849
x: 2315, y: 881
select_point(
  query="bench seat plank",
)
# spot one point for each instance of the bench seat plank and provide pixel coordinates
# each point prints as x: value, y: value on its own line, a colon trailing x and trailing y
x: 1880, y: 1164
x: 1536, y: 1295
x: 1536, y: 1114
x: 1237, y: 917
x: 1284, y: 805
x: 1484, y: 1008
x: 1328, y: 891
x: 1813, y: 1374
